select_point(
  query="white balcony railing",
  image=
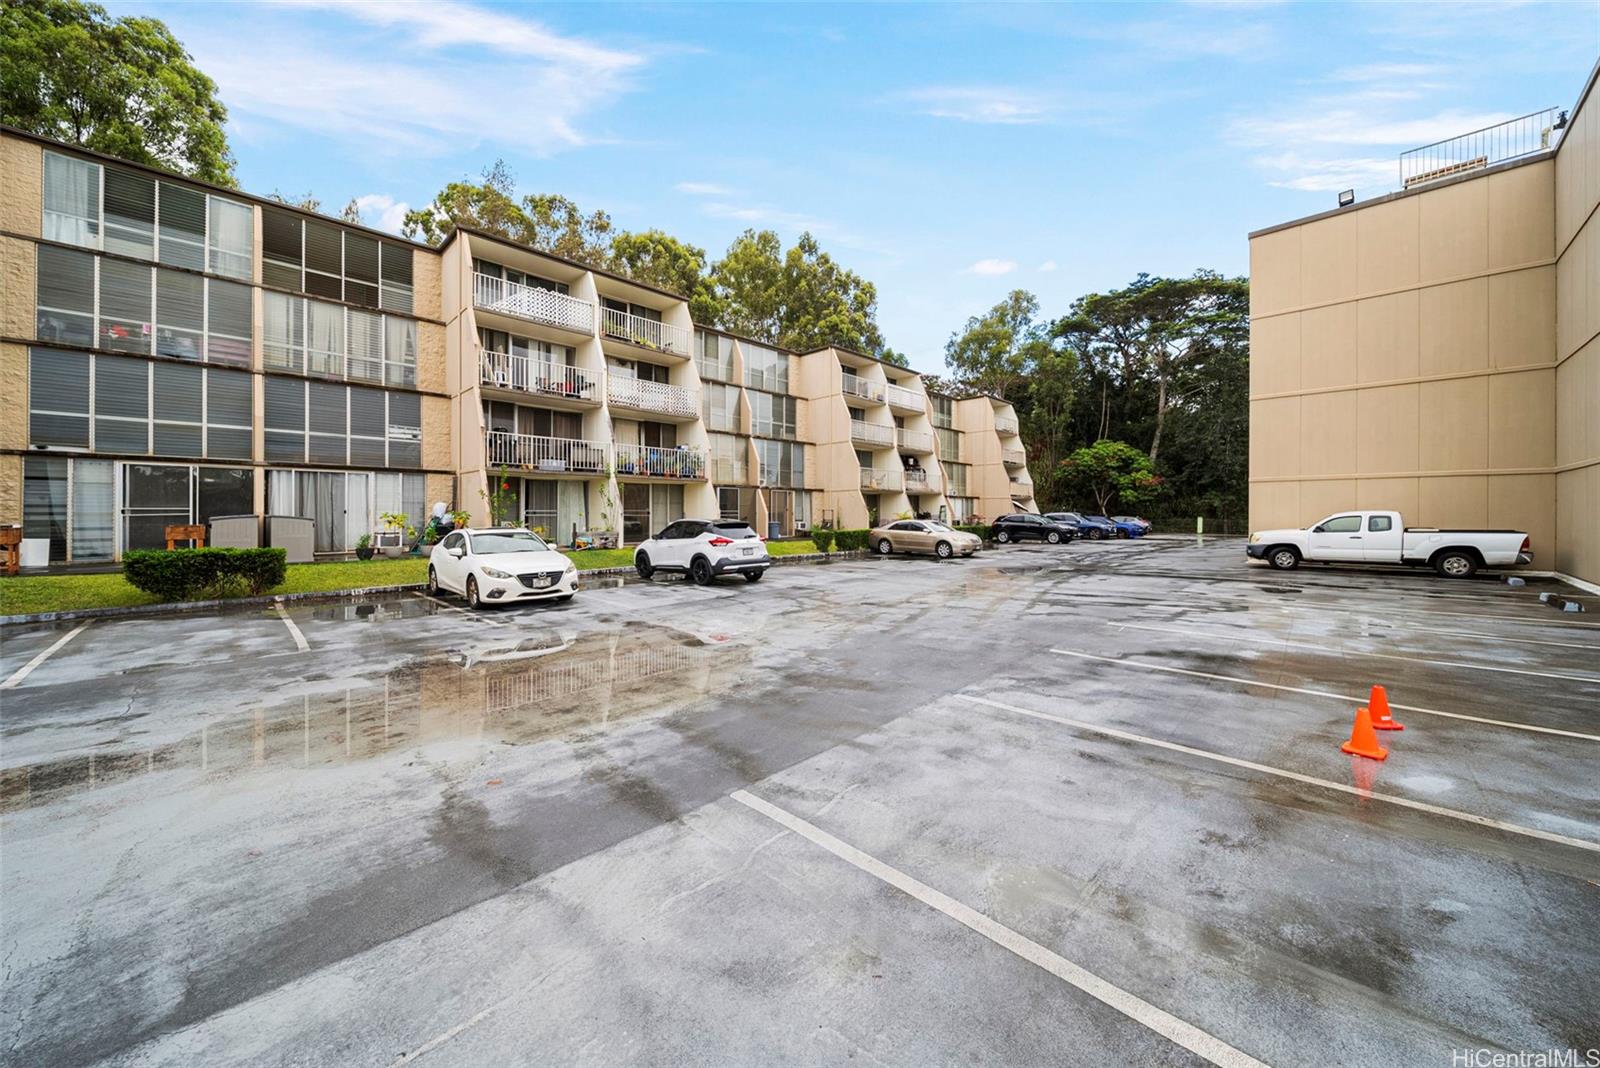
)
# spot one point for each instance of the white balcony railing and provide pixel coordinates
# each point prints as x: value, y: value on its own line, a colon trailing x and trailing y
x: 1005, y: 425
x: 555, y: 455
x: 901, y: 397
x: 871, y: 433
x: 914, y: 440
x: 655, y: 397
x: 922, y: 480
x: 521, y: 372
x: 532, y: 302
x: 872, y: 479
x: 1013, y: 457
x: 647, y: 461
x: 856, y: 386
x: 646, y: 333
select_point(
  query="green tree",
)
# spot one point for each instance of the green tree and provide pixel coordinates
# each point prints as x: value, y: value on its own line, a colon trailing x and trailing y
x: 659, y: 259
x: 556, y: 224
x: 1044, y: 402
x: 486, y: 205
x: 308, y: 201
x: 1110, y: 471
x: 123, y: 86
x: 1162, y: 330
x: 994, y: 350
x: 800, y: 298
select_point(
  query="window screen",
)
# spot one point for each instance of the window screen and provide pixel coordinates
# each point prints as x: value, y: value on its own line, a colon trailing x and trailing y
x: 66, y: 296
x: 229, y: 410
x: 124, y: 306
x: 122, y: 406
x: 228, y: 315
x: 283, y: 330
x: 232, y: 237
x: 183, y: 226
x: 179, y: 402
x: 361, y: 269
x: 130, y: 213
x: 324, y: 260
x: 396, y: 268
x: 58, y: 398
x: 364, y: 351
x: 280, y: 249
x: 180, y: 314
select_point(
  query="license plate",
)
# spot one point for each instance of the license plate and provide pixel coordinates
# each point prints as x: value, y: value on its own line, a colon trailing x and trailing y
x: 542, y: 581
x: 748, y: 552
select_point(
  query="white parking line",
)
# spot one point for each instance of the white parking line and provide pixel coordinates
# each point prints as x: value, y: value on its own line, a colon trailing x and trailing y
x: 299, y: 639
x: 27, y: 669
x: 1310, y: 780
x: 1124, y: 662
x: 479, y: 616
x: 1273, y: 640
x: 1132, y: 1006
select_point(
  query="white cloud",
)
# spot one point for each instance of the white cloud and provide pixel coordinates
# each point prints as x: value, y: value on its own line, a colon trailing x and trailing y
x: 992, y: 267
x: 382, y: 211
x: 1352, y: 127
x: 703, y: 189
x: 1047, y: 266
x: 998, y: 105
x: 488, y: 76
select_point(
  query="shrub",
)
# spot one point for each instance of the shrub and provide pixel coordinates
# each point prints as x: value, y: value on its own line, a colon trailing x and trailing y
x: 850, y: 540
x: 822, y: 538
x: 979, y: 529
x: 189, y: 574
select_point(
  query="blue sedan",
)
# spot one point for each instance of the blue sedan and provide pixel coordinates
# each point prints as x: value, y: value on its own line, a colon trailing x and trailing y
x: 1119, y: 529
x: 1094, y: 528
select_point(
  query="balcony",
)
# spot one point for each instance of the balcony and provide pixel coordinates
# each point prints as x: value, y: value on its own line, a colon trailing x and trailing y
x: 524, y: 374
x: 1474, y: 151
x: 873, y: 434
x: 873, y: 479
x: 647, y: 461
x: 554, y: 456
x: 921, y: 480
x: 652, y: 334
x: 657, y: 398
x: 856, y: 386
x: 532, y: 303
x: 1013, y: 457
x: 1021, y: 490
x: 1005, y: 426
x: 909, y: 400
x: 914, y: 440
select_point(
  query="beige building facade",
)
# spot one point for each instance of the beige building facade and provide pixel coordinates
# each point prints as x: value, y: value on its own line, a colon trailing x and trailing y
x: 173, y: 352
x: 1435, y: 351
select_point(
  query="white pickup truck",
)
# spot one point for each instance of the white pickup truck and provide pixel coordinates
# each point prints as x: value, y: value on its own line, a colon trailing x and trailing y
x: 1380, y: 538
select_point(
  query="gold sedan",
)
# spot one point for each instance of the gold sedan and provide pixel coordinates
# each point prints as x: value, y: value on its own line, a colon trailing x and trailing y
x: 922, y: 536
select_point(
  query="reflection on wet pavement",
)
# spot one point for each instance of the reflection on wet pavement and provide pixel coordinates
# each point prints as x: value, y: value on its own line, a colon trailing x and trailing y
x: 540, y: 688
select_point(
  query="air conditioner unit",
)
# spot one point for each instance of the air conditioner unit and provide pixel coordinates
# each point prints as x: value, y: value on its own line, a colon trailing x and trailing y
x: 802, y: 526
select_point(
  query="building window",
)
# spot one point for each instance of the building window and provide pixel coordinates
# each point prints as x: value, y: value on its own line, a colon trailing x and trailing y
x: 783, y: 463
x: 721, y: 406
x: 765, y: 368
x: 647, y: 509
x: 773, y: 416
x: 130, y: 213
x: 343, y: 505
x: 955, y: 479
x: 323, y: 259
x: 231, y: 240
x: 713, y: 353
x: 949, y: 443
x: 331, y: 423
x: 944, y: 411
x: 72, y: 503
x: 71, y: 200
x: 302, y: 335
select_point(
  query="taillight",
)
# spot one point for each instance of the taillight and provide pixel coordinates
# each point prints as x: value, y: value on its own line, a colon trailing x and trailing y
x: 1527, y: 544
x: 720, y: 541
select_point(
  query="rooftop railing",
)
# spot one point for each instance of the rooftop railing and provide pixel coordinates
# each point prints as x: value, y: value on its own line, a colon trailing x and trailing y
x: 1474, y: 151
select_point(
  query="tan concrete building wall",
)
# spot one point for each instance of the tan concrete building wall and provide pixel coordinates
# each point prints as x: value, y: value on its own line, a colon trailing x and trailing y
x: 21, y: 186
x: 1403, y: 356
x: 1577, y: 344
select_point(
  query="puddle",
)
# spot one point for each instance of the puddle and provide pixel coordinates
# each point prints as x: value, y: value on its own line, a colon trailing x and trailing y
x: 541, y: 688
x: 400, y: 608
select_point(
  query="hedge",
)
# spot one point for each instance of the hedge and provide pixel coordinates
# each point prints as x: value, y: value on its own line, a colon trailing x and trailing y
x: 979, y: 529
x: 822, y: 538
x: 848, y: 540
x: 190, y: 574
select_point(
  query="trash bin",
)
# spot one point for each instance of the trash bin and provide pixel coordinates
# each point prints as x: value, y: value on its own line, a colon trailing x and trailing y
x: 35, y: 552
x: 296, y: 535
x: 774, y: 531
x: 235, y: 532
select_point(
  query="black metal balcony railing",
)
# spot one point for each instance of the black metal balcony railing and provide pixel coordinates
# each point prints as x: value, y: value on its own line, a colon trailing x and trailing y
x: 1474, y: 151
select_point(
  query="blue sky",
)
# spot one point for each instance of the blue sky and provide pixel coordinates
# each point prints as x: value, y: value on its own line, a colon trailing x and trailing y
x: 948, y: 153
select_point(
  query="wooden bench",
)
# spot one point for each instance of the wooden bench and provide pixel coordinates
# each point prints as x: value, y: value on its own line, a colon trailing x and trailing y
x: 186, y: 532
x: 11, y: 545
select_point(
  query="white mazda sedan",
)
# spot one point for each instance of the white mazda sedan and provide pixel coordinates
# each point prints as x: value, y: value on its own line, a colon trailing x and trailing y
x: 498, y: 566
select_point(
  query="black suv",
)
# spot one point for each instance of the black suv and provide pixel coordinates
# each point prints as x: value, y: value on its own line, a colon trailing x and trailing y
x: 1020, y: 526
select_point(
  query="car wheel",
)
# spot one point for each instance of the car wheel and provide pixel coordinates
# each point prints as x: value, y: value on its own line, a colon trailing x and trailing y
x: 1097, y: 534
x: 472, y: 592
x: 1003, y: 537
x: 1456, y: 565
x: 1284, y: 558
x: 433, y: 582
x: 753, y: 576
x: 943, y: 550
x: 884, y: 548
x: 700, y: 571
x: 1054, y: 537
x: 1122, y: 534
x: 641, y: 564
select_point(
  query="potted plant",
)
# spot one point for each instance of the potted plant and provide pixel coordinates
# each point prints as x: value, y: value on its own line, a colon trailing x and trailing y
x: 460, y: 519
x: 364, y: 547
x: 393, y: 537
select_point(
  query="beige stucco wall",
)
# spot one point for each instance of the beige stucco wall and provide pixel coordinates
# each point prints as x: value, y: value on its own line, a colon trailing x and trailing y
x: 1403, y: 355
x: 21, y: 186
x: 1577, y: 345
x: 18, y: 292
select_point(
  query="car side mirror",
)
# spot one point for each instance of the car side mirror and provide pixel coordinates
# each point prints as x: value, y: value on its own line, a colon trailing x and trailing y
x: 457, y: 552
x: 1317, y: 530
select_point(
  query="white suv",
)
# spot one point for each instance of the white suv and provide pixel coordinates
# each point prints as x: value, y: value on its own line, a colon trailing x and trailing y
x: 704, y: 549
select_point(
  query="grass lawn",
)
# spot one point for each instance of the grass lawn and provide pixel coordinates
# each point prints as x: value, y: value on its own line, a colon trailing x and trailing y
x: 27, y: 594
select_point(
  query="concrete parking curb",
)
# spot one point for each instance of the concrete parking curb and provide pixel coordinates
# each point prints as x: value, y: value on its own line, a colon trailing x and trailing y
x: 355, y: 596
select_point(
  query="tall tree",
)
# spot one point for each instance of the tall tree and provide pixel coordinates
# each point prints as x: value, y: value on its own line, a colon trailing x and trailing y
x: 994, y: 350
x: 486, y: 205
x: 1163, y: 329
x: 121, y: 86
x: 1110, y: 472
x: 800, y: 298
x: 556, y: 224
x: 659, y: 259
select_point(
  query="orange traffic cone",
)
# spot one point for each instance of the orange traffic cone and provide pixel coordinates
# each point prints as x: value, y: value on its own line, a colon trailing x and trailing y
x: 1363, y: 739
x: 1381, y: 718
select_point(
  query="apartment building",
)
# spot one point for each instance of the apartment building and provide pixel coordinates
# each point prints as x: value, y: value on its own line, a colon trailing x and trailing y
x: 1437, y: 350
x: 174, y: 352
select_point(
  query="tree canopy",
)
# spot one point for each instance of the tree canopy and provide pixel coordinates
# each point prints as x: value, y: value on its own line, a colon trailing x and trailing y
x: 1112, y: 473
x: 546, y: 221
x: 994, y: 350
x: 659, y: 259
x: 123, y: 86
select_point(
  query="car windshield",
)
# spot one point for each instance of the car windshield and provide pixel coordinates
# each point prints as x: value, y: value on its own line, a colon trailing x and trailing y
x: 934, y: 524
x: 1066, y: 517
x: 507, y: 541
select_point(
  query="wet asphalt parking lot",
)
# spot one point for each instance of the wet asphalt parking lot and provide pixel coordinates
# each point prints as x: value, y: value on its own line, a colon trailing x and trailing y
x: 1051, y: 805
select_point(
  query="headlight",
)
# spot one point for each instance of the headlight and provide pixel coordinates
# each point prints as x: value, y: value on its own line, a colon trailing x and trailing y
x: 1254, y: 537
x: 571, y: 567
x: 495, y: 572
